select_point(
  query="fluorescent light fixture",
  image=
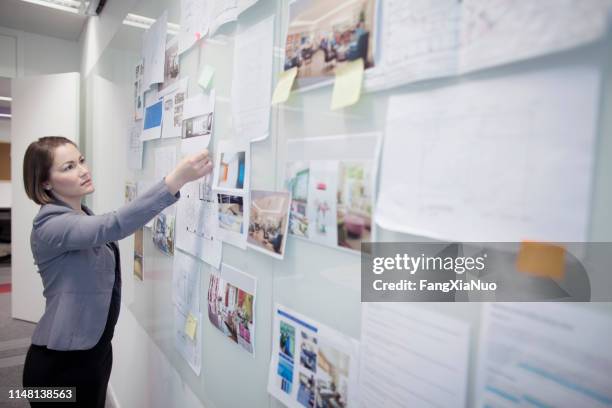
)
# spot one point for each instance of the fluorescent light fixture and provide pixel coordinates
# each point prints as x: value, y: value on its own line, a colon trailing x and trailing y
x: 6, y: 98
x: 71, y: 6
x: 134, y: 20
x: 5, y: 115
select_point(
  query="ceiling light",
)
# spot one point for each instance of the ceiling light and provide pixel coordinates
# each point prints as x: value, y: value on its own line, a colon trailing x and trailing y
x: 71, y: 6
x: 5, y: 115
x: 6, y: 98
x: 134, y: 20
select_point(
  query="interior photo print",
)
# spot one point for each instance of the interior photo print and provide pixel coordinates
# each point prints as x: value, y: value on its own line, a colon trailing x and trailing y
x: 197, y: 126
x: 268, y: 221
x: 231, y: 170
x: 231, y: 213
x: 324, y: 35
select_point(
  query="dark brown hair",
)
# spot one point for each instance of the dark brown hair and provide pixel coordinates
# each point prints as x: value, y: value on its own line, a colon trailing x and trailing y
x: 37, y: 162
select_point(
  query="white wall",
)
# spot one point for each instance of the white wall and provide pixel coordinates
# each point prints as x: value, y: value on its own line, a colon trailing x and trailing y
x: 36, y: 54
x: 43, y: 105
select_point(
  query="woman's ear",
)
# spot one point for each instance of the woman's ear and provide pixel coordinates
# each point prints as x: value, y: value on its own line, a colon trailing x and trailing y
x: 47, y: 186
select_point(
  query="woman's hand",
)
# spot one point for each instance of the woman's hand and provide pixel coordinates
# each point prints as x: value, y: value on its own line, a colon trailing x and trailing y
x: 190, y: 168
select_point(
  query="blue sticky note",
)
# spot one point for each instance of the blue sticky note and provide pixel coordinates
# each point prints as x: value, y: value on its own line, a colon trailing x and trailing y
x: 153, y: 115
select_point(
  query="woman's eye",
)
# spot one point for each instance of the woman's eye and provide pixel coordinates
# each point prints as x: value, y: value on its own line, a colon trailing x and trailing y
x: 68, y: 167
x: 82, y: 160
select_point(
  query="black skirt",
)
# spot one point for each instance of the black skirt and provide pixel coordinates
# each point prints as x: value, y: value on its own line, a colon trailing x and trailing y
x: 87, y: 370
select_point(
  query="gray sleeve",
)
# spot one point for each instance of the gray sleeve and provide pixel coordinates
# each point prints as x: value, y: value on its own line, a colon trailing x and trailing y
x: 72, y: 231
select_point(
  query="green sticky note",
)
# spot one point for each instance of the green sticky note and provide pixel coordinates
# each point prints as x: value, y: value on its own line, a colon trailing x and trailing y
x: 347, y: 86
x: 206, y: 76
x: 190, y: 326
x: 284, y: 85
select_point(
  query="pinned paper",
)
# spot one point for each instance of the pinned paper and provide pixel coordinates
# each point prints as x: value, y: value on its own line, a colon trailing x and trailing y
x: 284, y: 85
x: 347, y: 87
x: 191, y: 323
x: 541, y: 259
x: 206, y: 76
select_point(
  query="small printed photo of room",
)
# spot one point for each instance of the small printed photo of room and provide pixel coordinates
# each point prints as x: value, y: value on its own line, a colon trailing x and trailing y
x: 198, y: 126
x: 163, y: 232
x: 325, y: 35
x: 230, y: 309
x: 268, y: 222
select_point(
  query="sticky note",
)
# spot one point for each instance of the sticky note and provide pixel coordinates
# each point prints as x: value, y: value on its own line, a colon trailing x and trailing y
x: 284, y: 85
x: 206, y: 76
x: 541, y: 259
x: 190, y: 326
x: 347, y: 86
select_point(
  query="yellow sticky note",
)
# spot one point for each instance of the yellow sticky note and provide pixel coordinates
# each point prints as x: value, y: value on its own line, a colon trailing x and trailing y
x: 347, y: 87
x: 190, y: 326
x: 541, y: 259
x: 206, y: 76
x: 284, y: 85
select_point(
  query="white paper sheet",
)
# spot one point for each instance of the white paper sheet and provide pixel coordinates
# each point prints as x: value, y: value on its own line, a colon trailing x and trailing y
x: 252, y: 80
x: 194, y: 23
x: 138, y: 90
x: 190, y: 350
x: 186, y: 278
x: 501, y: 31
x: 544, y: 355
x: 135, y: 147
x: 198, y: 122
x: 489, y: 168
x: 412, y: 357
x: 173, y: 105
x: 196, y: 221
x: 311, y: 361
x: 226, y: 11
x: 154, y: 51
x: 435, y: 38
x: 231, y: 304
x: 165, y: 161
x: 418, y: 40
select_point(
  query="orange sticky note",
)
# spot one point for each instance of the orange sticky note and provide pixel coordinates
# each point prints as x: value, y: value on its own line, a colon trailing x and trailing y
x: 190, y: 326
x: 541, y: 259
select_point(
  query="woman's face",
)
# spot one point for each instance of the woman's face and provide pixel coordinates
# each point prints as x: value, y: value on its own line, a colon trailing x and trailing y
x: 69, y: 175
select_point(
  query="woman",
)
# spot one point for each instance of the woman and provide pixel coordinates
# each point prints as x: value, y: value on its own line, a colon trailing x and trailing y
x: 78, y: 261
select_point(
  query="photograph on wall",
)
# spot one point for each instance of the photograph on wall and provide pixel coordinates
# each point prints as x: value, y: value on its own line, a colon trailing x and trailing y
x: 268, y: 222
x: 139, y: 254
x: 138, y: 91
x: 322, y: 202
x: 171, y: 68
x: 232, y: 162
x: 163, y: 232
x: 198, y: 121
x: 297, y: 182
x: 232, y: 220
x: 231, y: 305
x: 326, y: 35
x: 355, y: 203
x: 312, y: 365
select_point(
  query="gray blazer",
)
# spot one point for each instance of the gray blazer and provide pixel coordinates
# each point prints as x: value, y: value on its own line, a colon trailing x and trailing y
x: 78, y: 268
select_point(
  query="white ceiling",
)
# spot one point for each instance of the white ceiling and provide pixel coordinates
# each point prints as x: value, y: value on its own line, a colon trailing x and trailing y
x: 19, y: 15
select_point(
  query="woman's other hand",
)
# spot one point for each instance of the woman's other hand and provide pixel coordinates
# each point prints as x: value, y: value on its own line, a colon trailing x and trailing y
x: 189, y: 169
